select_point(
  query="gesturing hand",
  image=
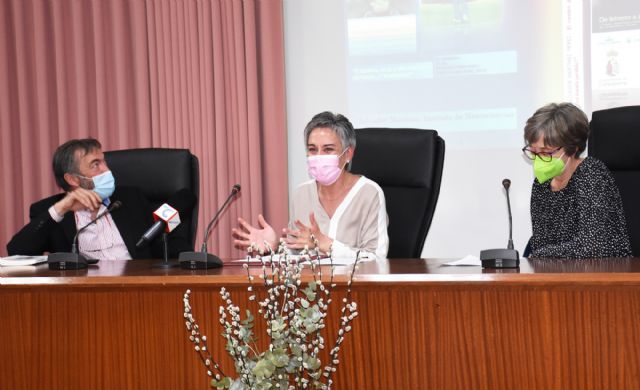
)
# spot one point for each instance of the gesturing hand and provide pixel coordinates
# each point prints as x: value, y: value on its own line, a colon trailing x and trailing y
x: 304, y: 235
x: 246, y: 235
x: 78, y: 199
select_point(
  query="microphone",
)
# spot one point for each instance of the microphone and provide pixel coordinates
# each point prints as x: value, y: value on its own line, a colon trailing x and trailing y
x: 234, y: 190
x: 506, y: 183
x: 167, y: 216
x: 502, y: 258
x: 203, y: 259
x: 75, y: 260
x: 113, y: 206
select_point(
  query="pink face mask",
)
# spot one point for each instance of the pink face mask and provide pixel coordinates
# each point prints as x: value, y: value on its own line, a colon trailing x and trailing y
x: 325, y: 168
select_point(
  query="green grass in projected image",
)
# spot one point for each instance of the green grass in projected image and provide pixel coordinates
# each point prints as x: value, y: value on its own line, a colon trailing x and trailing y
x: 478, y: 13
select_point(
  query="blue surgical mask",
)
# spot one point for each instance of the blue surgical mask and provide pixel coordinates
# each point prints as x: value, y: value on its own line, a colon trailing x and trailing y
x: 103, y: 184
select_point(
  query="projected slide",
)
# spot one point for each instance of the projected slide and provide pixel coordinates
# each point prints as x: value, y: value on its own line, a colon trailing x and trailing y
x: 615, y: 53
x: 477, y: 69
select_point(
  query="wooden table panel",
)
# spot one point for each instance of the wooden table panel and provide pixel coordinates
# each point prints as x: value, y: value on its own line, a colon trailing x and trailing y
x: 422, y: 325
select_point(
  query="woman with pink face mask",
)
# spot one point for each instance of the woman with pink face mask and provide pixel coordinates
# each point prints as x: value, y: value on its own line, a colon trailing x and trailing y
x: 344, y: 213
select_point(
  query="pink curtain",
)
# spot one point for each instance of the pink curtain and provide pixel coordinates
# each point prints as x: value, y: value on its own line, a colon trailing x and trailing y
x: 207, y: 75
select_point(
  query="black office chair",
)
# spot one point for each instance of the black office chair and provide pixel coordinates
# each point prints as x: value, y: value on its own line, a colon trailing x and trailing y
x: 159, y: 173
x: 615, y: 140
x: 407, y: 165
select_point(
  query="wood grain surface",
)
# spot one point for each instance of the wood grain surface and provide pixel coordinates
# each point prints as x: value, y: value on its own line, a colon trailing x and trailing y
x: 422, y: 325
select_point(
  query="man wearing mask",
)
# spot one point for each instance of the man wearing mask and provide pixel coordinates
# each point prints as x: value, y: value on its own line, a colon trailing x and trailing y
x: 80, y: 170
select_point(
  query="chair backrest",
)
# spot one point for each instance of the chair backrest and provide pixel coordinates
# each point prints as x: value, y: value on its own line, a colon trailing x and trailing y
x: 615, y: 140
x: 159, y: 173
x: 407, y: 165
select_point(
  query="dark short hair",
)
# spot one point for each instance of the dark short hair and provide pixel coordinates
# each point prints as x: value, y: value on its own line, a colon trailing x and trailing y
x: 562, y: 125
x: 64, y: 158
x: 339, y: 123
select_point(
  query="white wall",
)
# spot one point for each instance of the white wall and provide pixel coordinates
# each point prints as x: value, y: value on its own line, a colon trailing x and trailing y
x: 315, y: 75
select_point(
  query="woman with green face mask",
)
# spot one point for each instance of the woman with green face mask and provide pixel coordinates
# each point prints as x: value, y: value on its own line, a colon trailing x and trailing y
x: 576, y: 210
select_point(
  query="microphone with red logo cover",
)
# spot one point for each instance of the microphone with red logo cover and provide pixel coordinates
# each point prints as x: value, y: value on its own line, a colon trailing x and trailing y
x: 167, y: 216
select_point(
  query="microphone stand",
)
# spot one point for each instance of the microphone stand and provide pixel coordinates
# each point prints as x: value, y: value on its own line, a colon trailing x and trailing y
x: 510, y: 243
x: 502, y: 258
x: 165, y: 252
x: 75, y: 260
x: 204, y: 259
x: 67, y: 260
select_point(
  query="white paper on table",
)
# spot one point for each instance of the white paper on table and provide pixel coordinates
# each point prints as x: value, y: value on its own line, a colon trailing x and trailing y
x: 467, y: 260
x: 267, y: 259
x: 340, y: 261
x: 20, y: 260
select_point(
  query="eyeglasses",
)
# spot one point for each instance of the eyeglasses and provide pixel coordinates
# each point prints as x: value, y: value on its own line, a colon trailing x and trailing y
x: 544, y: 156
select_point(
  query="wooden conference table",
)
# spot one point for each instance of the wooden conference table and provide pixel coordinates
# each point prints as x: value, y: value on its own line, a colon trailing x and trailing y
x: 422, y: 325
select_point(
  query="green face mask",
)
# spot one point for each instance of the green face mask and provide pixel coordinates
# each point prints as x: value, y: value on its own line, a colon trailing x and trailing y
x: 547, y: 170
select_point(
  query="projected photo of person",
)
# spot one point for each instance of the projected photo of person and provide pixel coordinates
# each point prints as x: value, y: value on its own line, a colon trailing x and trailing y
x: 381, y: 27
x: 379, y: 8
x: 460, y: 11
x: 613, y: 68
x: 455, y: 12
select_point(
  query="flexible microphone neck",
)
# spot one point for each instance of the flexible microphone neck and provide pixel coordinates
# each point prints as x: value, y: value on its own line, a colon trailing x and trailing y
x: 502, y: 258
x: 506, y: 183
x: 207, y: 232
x: 112, y: 206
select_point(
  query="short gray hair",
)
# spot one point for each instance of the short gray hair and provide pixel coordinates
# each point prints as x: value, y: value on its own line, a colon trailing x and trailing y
x: 336, y: 122
x: 562, y: 125
x: 64, y: 158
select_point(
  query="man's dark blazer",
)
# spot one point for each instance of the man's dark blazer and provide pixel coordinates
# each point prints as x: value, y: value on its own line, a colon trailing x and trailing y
x: 43, y: 234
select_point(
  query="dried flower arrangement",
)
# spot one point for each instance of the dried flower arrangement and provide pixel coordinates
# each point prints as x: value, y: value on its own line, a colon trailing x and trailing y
x: 295, y: 313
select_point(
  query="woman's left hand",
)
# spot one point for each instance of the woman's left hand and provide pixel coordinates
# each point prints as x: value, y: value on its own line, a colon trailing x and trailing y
x: 304, y: 235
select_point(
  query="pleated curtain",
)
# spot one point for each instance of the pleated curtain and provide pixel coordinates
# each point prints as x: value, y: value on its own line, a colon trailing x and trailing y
x: 206, y: 75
